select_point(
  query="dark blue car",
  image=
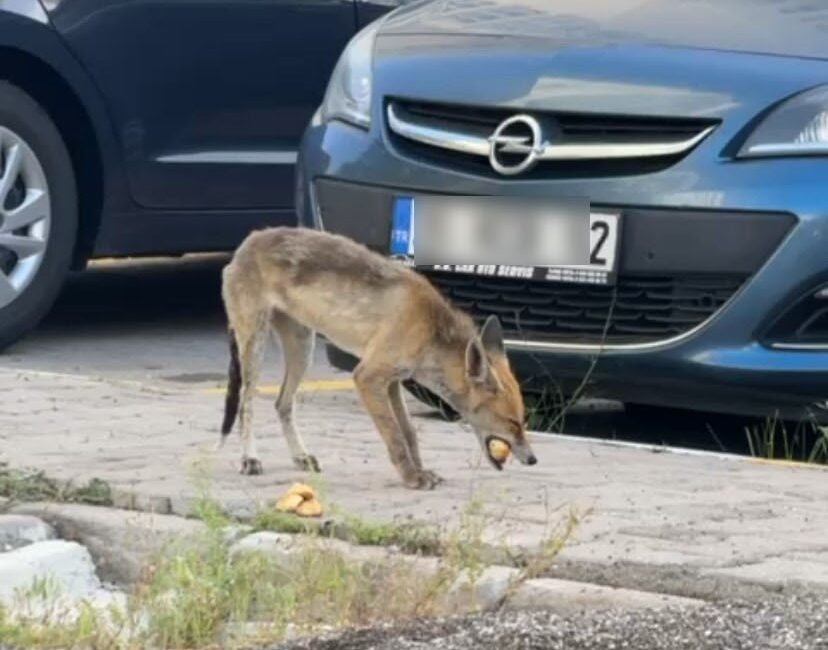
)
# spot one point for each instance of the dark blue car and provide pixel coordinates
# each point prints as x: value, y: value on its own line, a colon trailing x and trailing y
x: 696, y: 129
x: 143, y: 127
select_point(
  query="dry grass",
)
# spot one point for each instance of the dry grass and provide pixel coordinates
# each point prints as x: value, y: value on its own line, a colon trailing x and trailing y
x: 198, y: 594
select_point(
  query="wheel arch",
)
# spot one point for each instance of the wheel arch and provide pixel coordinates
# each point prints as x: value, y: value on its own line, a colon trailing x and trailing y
x: 33, y: 58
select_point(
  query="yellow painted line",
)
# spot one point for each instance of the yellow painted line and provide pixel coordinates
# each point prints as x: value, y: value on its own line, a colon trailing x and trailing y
x: 310, y: 386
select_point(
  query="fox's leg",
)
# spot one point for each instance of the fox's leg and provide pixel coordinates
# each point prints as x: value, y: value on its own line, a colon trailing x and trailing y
x: 407, y: 428
x: 373, y: 382
x: 247, y: 324
x: 297, y: 349
x: 249, y: 340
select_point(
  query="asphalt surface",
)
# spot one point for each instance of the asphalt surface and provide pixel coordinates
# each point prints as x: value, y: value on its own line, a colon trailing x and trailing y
x: 153, y: 321
x: 797, y: 624
x: 161, y: 321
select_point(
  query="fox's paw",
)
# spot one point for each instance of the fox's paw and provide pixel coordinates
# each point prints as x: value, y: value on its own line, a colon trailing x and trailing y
x: 307, y: 463
x: 251, y: 467
x: 423, y: 480
x: 433, y: 477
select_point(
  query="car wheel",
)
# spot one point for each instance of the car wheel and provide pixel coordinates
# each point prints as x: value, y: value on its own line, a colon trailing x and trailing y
x: 428, y: 398
x: 38, y: 213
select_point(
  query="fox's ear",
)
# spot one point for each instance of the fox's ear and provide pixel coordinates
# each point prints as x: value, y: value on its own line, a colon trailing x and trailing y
x: 477, y: 366
x: 492, y: 335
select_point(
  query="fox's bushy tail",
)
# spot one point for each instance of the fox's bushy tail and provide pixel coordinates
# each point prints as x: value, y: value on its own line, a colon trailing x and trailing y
x: 231, y: 401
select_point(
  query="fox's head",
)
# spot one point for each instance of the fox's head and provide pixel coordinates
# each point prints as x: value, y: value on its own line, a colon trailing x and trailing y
x: 493, y: 402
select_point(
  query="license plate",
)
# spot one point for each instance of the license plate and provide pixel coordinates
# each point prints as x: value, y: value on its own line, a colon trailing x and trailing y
x: 604, y: 243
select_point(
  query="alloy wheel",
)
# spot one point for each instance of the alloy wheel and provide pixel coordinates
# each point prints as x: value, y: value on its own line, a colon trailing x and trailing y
x: 25, y: 215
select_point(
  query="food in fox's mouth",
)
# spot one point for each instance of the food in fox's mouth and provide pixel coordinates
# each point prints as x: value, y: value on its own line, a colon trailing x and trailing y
x: 499, y: 450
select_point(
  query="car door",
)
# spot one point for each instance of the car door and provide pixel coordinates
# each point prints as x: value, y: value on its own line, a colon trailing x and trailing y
x: 209, y: 97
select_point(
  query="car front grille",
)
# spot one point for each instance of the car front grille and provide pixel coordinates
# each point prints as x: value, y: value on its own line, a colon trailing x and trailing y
x: 674, y: 137
x: 638, y: 309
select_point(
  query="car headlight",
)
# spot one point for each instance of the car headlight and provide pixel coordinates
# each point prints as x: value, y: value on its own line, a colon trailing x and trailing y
x: 797, y: 127
x: 348, y: 97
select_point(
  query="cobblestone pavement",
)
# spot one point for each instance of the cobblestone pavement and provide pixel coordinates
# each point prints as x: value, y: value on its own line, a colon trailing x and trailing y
x: 690, y: 524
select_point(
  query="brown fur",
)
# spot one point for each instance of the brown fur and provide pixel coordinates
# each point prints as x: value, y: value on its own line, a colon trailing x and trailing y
x: 294, y: 282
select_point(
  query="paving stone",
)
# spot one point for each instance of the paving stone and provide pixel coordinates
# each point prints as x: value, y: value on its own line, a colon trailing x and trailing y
x: 52, y: 581
x: 567, y: 597
x: 283, y: 548
x: 20, y: 530
x: 67, y: 564
x: 122, y: 542
x: 778, y: 571
x: 483, y: 593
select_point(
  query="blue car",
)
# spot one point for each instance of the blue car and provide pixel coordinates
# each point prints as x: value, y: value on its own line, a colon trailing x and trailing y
x: 143, y: 127
x: 698, y: 132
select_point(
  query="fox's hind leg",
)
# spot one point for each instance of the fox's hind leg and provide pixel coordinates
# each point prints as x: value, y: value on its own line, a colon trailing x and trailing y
x: 250, y: 357
x: 247, y: 324
x: 297, y: 349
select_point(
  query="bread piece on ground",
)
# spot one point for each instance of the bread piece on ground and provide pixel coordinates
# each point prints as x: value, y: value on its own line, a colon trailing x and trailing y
x: 310, y: 508
x: 289, y: 502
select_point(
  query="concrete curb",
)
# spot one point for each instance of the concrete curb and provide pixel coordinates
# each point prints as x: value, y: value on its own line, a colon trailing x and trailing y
x: 122, y: 542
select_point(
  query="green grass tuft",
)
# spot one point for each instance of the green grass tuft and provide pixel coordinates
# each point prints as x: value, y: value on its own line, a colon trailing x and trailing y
x: 198, y: 594
x: 18, y: 485
x: 774, y: 440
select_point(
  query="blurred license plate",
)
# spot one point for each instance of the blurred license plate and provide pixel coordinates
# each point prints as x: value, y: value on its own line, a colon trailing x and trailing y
x: 561, y: 231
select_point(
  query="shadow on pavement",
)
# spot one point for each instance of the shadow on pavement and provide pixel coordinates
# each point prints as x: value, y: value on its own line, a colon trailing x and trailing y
x: 142, y: 292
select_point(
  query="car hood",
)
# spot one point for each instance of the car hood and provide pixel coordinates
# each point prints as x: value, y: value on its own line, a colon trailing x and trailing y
x: 777, y: 27
x: 691, y: 58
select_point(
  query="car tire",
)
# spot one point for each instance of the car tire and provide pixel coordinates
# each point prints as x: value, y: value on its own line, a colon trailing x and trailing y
x: 343, y: 361
x: 38, y: 213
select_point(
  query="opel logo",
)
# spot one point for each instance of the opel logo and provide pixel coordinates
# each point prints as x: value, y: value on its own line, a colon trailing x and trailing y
x: 516, y: 145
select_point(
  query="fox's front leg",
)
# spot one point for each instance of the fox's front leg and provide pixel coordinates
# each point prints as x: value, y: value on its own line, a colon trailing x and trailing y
x: 373, y: 384
x: 408, y: 429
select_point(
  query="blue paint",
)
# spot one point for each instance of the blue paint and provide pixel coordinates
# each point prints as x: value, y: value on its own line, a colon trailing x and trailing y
x: 402, y: 234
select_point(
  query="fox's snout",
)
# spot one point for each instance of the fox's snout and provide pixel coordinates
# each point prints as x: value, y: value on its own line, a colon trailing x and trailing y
x: 524, y: 454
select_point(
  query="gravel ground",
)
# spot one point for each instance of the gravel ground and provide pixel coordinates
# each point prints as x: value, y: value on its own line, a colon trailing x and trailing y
x: 795, y: 624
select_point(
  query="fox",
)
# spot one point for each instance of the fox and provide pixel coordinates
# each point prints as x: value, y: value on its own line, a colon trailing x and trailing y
x: 296, y: 282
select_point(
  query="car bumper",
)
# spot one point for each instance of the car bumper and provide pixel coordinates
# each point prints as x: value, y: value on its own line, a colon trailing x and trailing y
x: 348, y: 178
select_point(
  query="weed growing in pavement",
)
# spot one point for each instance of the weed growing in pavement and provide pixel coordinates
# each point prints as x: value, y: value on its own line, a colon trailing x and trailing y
x: 19, y: 485
x: 270, y: 519
x: 199, y: 593
x: 408, y: 537
x: 546, y: 410
x: 540, y: 562
x: 807, y: 443
x: 195, y: 589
